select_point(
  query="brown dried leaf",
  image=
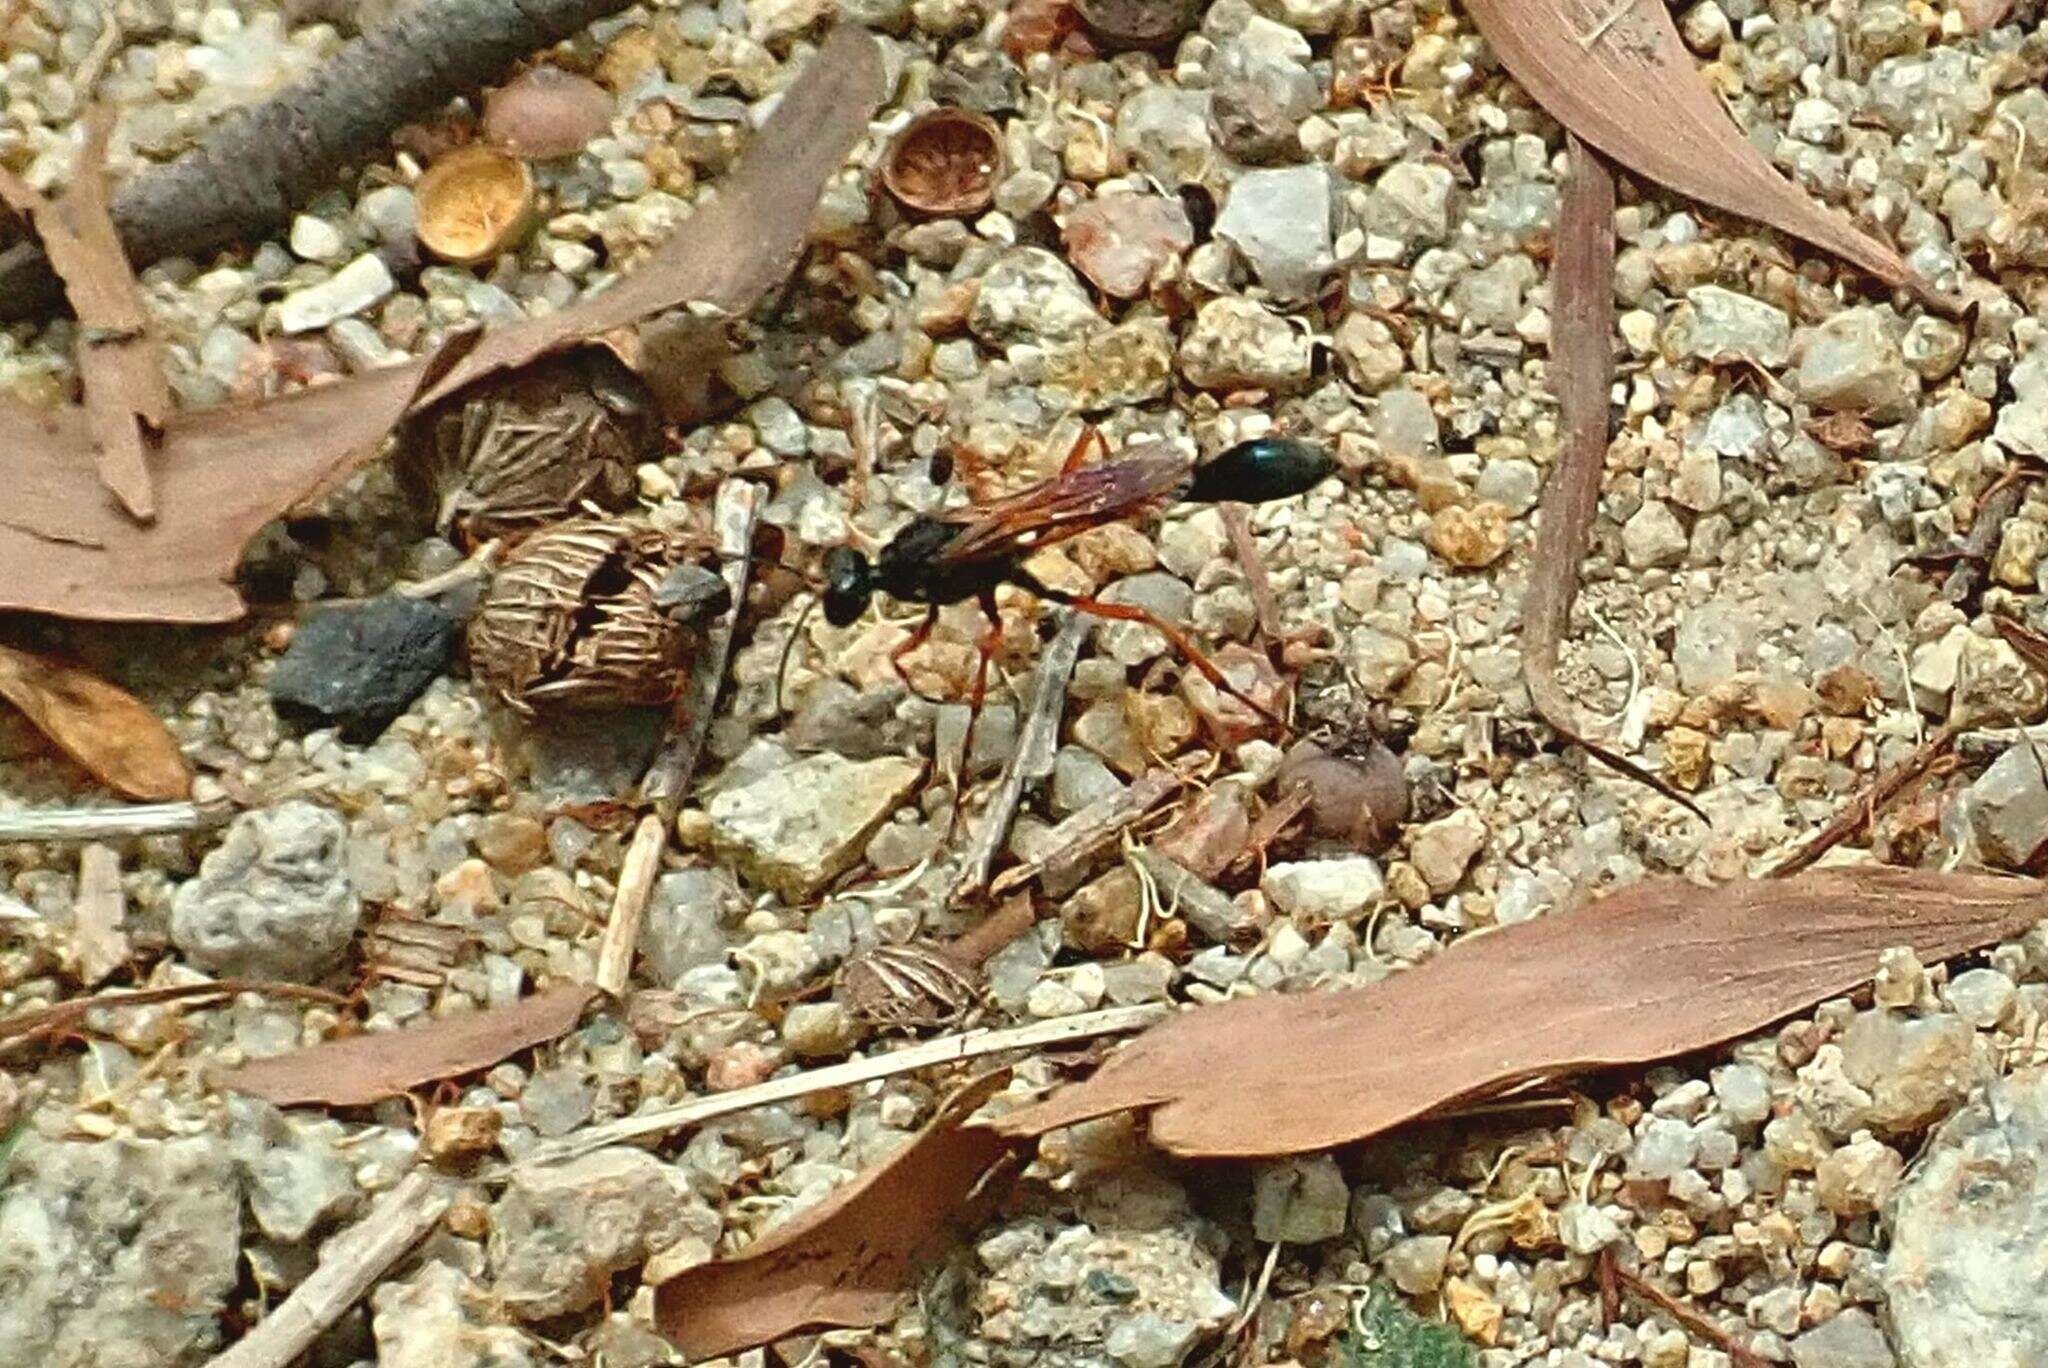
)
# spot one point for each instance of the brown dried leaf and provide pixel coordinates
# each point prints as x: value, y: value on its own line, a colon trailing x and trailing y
x: 103, y: 728
x: 1657, y: 970
x: 367, y: 1068
x: 120, y: 357
x: 846, y: 1261
x: 1616, y: 73
x: 227, y: 471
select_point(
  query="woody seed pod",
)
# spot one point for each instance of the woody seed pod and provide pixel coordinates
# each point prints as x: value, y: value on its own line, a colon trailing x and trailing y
x: 571, y: 619
x: 946, y: 162
x: 531, y: 446
x: 906, y: 986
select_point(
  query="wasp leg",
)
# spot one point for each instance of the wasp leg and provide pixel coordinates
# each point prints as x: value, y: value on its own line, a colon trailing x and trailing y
x: 991, y: 638
x: 911, y: 643
x: 1181, y: 641
x: 1091, y: 438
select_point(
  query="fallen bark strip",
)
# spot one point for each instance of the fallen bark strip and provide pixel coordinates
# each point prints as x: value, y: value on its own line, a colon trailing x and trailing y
x: 225, y: 472
x: 263, y: 161
x: 350, y: 1265
x: 120, y: 356
x: 1581, y: 375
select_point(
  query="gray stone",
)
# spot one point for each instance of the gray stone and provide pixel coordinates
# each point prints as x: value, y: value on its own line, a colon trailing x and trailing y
x: 273, y: 900
x: 1653, y: 536
x: 1299, y: 1201
x: 1850, y: 1340
x: 1981, y: 997
x: 2007, y: 808
x: 1969, y: 1236
x: 1442, y: 850
x: 1166, y: 130
x: 1513, y: 484
x: 1079, y: 778
x: 1915, y: 1069
x: 686, y: 921
x: 1714, y: 323
x: 1852, y: 364
x: 350, y: 290
x: 1712, y: 642
x: 360, y: 667
x: 1665, y: 1148
x: 315, y: 239
x: 1411, y: 204
x: 1280, y: 221
x: 438, y: 1318
x: 1416, y: 1264
x: 1379, y: 660
x: 1029, y: 295
x: 1128, y: 364
x: 118, y: 1253
x: 2023, y: 424
x: 1495, y: 296
x: 1324, y: 888
x: 1404, y: 424
x: 1744, y: 1092
x: 298, y: 1181
x: 800, y: 824
x: 1240, y: 344
x: 561, y: 1231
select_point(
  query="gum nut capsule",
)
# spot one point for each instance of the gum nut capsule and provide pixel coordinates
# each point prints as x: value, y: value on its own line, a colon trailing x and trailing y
x: 546, y: 112
x: 572, y: 619
x: 944, y: 163
x: 1361, y: 798
x: 473, y: 204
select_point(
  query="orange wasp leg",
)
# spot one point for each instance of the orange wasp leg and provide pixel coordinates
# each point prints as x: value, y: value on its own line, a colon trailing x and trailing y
x: 911, y: 643
x: 1181, y: 641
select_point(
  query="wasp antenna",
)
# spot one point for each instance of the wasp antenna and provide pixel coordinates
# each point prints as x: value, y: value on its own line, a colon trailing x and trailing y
x: 789, y: 649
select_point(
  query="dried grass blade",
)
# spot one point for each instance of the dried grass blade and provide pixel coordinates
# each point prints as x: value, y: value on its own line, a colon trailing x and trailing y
x: 105, y: 729
x: 847, y: 1261
x: 120, y: 357
x: 367, y: 1068
x: 1634, y: 93
x: 1674, y: 968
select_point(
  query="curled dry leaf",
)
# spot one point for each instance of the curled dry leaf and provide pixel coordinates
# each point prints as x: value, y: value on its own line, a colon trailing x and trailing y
x: 1616, y: 73
x: 474, y: 203
x: 847, y: 1260
x: 105, y: 729
x: 225, y: 472
x: 945, y: 162
x: 367, y: 1068
x: 547, y: 112
x: 120, y: 357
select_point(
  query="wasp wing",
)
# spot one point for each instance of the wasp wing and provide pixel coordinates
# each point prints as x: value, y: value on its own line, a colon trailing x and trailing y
x: 1017, y: 525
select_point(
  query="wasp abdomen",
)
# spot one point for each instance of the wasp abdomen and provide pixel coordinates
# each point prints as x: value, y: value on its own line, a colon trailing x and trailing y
x: 1263, y: 469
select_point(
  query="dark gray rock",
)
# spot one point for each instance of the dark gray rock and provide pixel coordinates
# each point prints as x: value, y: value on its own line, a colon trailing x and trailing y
x: 358, y: 668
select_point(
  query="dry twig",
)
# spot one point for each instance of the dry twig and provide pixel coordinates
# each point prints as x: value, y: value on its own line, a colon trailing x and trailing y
x: 1691, y: 1318
x: 41, y: 1021
x: 629, y: 904
x: 1093, y: 827
x: 350, y: 1264
x: 1854, y: 815
x: 111, y: 823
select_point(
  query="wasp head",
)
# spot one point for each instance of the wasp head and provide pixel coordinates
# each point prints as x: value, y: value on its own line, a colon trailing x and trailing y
x: 849, y: 584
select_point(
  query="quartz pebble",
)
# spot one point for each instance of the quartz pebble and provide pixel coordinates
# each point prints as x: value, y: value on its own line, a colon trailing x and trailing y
x: 350, y: 290
x: 273, y: 900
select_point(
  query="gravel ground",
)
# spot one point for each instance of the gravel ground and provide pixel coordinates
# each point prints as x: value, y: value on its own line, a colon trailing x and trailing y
x: 1330, y: 217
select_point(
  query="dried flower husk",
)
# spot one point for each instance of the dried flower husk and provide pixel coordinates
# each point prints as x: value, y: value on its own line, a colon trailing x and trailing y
x: 903, y: 987
x: 1135, y: 25
x: 532, y: 446
x: 1359, y: 794
x: 945, y: 163
x: 473, y: 204
x: 571, y: 619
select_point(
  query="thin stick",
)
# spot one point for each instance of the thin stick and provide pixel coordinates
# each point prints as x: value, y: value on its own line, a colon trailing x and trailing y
x: 1238, y: 525
x: 104, y: 45
x: 349, y: 1264
x: 1690, y: 1318
x: 42, y: 1020
x: 111, y: 823
x: 1093, y: 827
x: 629, y: 905
x: 1862, y: 809
x: 1037, y: 739
x: 945, y: 1050
x: 736, y: 511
